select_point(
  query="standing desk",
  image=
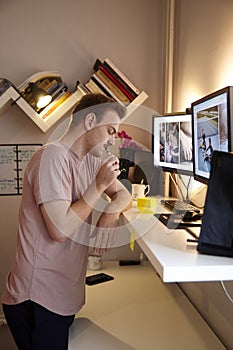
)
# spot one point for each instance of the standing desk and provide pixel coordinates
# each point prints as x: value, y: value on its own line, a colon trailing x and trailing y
x: 173, y: 258
x: 136, y: 310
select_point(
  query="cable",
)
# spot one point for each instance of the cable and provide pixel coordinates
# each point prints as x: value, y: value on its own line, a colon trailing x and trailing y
x: 176, y: 186
x: 226, y: 292
x: 186, y: 186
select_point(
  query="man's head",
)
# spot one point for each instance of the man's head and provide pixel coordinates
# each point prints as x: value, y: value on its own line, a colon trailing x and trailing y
x: 99, y: 117
x: 97, y: 104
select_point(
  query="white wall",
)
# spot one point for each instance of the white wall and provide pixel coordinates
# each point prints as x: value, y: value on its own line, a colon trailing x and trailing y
x: 203, y: 49
x: 68, y: 36
x: 203, y: 63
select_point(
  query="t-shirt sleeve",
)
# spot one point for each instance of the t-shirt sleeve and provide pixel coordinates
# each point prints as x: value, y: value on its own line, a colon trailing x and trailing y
x: 53, y: 178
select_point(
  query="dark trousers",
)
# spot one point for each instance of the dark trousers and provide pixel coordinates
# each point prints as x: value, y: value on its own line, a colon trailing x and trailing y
x: 35, y: 328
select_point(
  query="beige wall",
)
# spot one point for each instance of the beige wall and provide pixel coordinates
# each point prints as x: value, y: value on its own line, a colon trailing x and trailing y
x: 203, y: 49
x: 202, y: 64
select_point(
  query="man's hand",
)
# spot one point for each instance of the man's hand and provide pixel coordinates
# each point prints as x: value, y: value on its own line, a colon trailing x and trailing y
x: 105, y: 232
x: 108, y: 172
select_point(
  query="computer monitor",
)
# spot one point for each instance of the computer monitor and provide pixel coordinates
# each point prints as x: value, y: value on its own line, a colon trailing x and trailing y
x: 211, y: 122
x: 172, y: 143
x: 216, y: 235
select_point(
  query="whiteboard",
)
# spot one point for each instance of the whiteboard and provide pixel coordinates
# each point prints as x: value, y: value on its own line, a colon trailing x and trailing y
x: 13, y: 161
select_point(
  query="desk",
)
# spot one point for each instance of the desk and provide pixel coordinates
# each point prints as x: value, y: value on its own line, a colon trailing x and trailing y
x: 174, y: 259
x: 137, y: 311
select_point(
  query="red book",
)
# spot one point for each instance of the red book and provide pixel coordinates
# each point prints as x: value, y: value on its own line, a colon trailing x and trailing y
x: 125, y: 82
x: 116, y: 82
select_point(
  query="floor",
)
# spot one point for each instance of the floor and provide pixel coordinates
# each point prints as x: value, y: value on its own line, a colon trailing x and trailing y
x: 6, y: 341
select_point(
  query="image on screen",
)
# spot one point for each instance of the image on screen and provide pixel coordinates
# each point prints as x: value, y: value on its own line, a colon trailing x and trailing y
x: 172, y: 143
x: 210, y: 131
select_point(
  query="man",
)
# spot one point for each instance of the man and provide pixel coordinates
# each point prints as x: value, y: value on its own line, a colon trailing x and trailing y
x: 63, y: 183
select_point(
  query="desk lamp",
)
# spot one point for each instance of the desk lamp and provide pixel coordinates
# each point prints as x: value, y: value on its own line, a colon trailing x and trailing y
x: 39, y: 95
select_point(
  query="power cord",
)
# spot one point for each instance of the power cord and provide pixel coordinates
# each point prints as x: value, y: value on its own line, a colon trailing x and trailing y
x: 176, y: 186
x: 186, y: 187
x: 226, y: 292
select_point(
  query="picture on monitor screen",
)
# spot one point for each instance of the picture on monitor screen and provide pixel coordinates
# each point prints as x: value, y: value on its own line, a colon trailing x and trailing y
x: 211, y: 130
x: 172, y: 143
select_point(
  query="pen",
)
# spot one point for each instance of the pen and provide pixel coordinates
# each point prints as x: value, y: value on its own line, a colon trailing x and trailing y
x: 110, y: 154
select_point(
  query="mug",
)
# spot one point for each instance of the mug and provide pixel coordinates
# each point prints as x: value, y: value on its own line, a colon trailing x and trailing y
x: 139, y: 190
x: 94, y: 262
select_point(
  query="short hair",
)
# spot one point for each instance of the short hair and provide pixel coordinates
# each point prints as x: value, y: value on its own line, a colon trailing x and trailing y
x: 98, y: 104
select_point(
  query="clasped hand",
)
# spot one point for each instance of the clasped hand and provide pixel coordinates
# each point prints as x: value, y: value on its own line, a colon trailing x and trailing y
x: 105, y: 232
x: 108, y: 172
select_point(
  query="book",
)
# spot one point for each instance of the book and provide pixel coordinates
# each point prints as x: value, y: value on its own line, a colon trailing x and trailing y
x: 117, y: 93
x: 121, y: 75
x: 126, y: 92
x: 82, y: 88
x: 52, y: 86
x: 94, y: 88
x: 118, y: 75
x: 37, y: 77
x: 13, y: 161
x: 106, y: 89
x: 101, y: 87
x: 4, y: 85
x: 115, y: 78
x: 59, y: 90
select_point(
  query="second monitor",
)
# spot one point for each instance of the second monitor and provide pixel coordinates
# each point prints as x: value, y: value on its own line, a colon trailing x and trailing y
x: 172, y: 143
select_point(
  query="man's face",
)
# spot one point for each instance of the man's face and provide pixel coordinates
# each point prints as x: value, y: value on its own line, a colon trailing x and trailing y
x: 103, y: 134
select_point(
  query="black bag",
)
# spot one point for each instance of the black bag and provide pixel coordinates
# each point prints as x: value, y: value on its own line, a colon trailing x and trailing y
x: 216, y: 236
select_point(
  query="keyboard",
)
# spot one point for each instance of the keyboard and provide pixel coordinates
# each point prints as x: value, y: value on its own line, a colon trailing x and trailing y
x: 179, y: 206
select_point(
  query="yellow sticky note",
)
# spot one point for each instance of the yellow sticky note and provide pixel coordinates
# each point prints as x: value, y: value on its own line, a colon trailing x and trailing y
x: 132, y: 240
x: 147, y: 204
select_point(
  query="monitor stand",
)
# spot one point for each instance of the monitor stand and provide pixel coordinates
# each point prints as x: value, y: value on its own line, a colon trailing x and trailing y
x: 175, y: 221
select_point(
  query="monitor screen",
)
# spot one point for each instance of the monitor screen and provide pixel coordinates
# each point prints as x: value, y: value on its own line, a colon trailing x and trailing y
x: 211, y: 130
x: 172, y: 143
x: 216, y: 236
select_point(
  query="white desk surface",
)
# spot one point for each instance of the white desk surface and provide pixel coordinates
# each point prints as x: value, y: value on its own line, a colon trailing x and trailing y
x: 137, y: 311
x: 174, y: 259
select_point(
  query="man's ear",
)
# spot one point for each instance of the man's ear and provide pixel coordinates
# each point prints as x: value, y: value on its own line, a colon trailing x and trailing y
x: 90, y: 121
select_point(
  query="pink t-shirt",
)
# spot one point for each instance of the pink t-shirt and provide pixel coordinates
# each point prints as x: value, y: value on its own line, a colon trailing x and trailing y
x: 46, y: 271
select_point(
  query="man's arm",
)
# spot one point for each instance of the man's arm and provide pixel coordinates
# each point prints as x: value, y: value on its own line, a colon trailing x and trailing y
x: 120, y: 197
x: 63, y: 218
x: 107, y: 225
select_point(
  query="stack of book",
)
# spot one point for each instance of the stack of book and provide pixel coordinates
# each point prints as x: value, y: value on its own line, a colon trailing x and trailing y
x: 109, y: 80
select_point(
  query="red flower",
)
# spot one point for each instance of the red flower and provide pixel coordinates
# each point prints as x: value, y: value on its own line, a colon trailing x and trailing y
x: 123, y: 135
x: 126, y: 141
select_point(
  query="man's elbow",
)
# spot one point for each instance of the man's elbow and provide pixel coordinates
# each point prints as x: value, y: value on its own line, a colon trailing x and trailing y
x: 57, y: 236
x: 130, y: 203
x: 127, y: 200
